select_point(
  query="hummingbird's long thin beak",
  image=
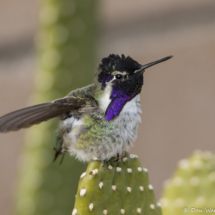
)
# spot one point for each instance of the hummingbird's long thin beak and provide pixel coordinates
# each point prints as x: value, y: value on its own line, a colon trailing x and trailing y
x: 152, y: 64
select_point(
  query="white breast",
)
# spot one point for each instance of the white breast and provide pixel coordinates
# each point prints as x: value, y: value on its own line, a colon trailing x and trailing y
x: 133, y: 106
x: 128, y: 121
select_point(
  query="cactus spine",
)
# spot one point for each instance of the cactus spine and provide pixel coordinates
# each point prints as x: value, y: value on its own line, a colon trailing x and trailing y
x: 122, y: 187
x: 66, y: 51
x: 191, y: 189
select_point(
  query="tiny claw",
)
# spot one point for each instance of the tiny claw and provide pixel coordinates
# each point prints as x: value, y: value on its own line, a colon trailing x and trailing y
x: 105, y: 161
x: 117, y: 157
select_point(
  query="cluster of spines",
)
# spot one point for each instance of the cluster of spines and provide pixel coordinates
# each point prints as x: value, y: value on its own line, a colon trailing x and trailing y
x: 191, y: 189
x: 121, y: 187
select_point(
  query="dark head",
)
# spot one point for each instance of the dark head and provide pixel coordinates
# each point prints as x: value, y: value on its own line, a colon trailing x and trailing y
x: 122, y: 78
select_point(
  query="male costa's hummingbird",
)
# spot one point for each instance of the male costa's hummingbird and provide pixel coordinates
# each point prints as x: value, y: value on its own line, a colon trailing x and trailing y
x: 99, y: 120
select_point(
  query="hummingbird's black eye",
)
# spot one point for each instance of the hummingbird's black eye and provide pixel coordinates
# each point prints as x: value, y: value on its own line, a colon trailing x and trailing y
x: 118, y: 76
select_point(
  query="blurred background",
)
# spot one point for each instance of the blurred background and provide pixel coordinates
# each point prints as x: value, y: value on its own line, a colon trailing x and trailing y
x: 177, y: 99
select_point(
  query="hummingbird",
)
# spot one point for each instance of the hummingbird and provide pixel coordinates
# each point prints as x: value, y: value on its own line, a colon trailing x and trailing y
x: 99, y: 120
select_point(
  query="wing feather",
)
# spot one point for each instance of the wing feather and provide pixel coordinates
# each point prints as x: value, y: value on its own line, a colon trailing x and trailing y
x: 35, y: 114
x: 28, y: 120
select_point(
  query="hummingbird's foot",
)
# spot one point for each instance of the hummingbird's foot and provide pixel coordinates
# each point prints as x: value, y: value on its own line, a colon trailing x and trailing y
x: 105, y: 161
x: 117, y: 157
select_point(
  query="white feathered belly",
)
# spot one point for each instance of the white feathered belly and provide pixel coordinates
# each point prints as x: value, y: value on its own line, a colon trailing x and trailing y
x: 117, y: 140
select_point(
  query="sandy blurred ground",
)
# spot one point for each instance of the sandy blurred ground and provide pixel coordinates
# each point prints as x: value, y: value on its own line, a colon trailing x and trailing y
x: 177, y: 99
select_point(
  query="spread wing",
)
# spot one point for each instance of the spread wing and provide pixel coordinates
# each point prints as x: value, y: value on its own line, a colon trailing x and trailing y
x: 29, y: 116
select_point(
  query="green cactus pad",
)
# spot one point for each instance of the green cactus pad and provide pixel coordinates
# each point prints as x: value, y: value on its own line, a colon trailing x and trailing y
x: 121, y: 187
x: 192, y: 188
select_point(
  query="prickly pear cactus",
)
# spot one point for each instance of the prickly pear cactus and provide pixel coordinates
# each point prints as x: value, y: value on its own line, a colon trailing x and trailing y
x: 192, y: 188
x: 120, y: 187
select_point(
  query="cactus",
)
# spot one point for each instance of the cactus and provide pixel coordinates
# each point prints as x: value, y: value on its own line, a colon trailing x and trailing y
x: 66, y: 53
x: 120, y: 187
x: 192, y: 188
